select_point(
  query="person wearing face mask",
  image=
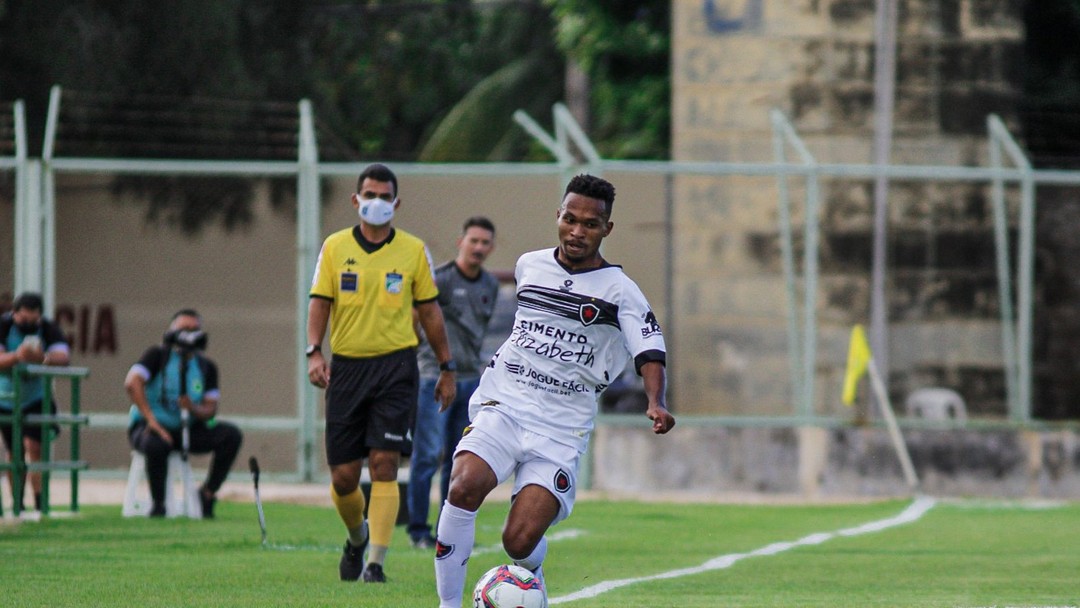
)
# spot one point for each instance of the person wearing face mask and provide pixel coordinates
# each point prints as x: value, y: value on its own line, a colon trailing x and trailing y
x: 28, y: 337
x: 368, y: 280
x: 172, y: 381
x: 467, y: 294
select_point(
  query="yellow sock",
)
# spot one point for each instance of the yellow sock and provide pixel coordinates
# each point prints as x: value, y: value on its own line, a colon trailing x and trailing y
x: 351, y: 509
x: 385, y: 501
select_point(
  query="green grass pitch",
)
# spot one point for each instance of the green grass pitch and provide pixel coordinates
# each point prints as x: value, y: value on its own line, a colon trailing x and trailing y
x: 958, y: 554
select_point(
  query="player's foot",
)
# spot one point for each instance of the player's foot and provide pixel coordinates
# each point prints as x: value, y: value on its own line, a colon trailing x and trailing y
x: 158, y: 510
x: 426, y: 541
x: 539, y: 574
x: 374, y: 574
x: 352, y: 562
x: 207, y: 501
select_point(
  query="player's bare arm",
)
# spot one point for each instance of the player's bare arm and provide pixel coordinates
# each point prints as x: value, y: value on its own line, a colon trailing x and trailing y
x: 655, y: 377
x: 136, y: 390
x: 431, y: 320
x: 318, y: 317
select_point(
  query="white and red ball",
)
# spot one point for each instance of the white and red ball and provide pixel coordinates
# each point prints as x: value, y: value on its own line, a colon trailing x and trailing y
x: 509, y: 586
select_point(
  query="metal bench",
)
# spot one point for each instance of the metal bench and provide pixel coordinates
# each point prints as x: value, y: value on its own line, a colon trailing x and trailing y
x: 19, y: 469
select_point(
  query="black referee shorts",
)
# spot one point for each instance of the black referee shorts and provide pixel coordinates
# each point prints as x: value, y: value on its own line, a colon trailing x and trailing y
x: 370, y: 403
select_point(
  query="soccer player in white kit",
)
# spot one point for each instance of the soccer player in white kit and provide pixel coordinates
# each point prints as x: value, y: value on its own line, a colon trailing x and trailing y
x: 579, y: 320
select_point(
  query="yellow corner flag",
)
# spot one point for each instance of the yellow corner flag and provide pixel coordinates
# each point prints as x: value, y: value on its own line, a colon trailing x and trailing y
x: 857, y: 359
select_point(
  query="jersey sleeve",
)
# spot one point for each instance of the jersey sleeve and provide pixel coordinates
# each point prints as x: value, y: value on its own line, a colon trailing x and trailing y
x: 322, y: 283
x: 53, y: 338
x: 424, y: 287
x: 640, y: 329
x: 210, y: 380
x: 151, y: 360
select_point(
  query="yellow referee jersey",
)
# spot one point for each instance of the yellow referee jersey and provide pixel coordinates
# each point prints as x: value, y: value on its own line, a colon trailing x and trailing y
x: 372, y: 293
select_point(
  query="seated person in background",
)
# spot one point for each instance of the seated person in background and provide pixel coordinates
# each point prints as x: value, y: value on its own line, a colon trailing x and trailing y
x: 170, y: 382
x: 28, y: 337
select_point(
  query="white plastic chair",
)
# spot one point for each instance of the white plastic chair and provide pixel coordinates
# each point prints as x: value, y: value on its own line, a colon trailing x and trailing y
x: 936, y: 404
x: 182, y: 503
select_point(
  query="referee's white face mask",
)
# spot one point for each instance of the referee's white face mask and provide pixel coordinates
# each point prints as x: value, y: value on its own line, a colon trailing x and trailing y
x: 376, y: 211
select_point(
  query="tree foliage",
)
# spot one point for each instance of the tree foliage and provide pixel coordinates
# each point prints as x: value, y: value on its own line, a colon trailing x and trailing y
x: 624, y: 48
x: 435, y: 80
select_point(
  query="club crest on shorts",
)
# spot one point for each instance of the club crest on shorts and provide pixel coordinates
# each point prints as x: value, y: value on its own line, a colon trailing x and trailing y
x: 561, y: 482
x: 588, y: 313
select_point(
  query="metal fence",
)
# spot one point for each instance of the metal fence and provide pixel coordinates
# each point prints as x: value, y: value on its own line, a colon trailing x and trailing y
x: 35, y: 230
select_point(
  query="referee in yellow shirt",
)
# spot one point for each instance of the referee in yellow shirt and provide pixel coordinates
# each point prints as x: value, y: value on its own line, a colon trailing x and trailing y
x: 368, y: 279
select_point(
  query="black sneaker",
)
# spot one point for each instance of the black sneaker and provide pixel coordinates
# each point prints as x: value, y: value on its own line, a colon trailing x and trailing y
x: 374, y: 574
x: 352, y: 562
x: 207, y: 504
x: 158, y: 510
x: 426, y: 541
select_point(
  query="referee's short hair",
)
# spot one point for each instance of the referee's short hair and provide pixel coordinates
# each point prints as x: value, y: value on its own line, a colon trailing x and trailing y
x: 378, y: 172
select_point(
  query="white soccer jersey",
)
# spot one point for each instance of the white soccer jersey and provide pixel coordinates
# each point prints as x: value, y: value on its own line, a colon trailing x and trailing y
x: 572, y: 335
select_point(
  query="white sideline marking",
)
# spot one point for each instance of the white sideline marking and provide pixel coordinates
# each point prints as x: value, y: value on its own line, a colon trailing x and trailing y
x: 913, y: 512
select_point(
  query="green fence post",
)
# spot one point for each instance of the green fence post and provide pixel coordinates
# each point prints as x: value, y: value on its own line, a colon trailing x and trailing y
x: 75, y: 444
x: 46, y: 441
x: 18, y: 467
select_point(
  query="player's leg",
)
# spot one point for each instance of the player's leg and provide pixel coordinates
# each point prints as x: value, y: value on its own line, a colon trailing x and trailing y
x: 32, y: 453
x: 223, y: 441
x: 531, y: 514
x: 346, y: 430
x: 7, y: 432
x: 457, y: 418
x: 424, y: 461
x: 395, y: 382
x: 32, y: 448
x: 545, y: 488
x: 156, y: 452
x: 383, y: 509
x: 350, y: 504
x: 471, y: 481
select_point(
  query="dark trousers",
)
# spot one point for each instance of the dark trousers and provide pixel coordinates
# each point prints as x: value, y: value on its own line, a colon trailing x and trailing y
x: 223, y: 440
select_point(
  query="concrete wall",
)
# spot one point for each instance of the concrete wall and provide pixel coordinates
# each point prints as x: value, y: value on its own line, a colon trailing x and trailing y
x: 837, y: 463
x: 734, y: 61
x: 120, y: 278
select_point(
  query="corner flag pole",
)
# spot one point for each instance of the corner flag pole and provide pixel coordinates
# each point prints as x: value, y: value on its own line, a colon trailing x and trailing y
x: 890, y: 422
x: 861, y: 360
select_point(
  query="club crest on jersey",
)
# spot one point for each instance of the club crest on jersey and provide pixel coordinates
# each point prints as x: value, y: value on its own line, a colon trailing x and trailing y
x: 588, y: 313
x: 394, y: 282
x: 561, y: 482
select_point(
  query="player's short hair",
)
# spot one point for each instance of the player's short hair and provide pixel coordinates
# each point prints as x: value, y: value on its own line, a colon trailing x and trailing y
x: 378, y: 172
x: 480, y: 222
x: 593, y: 187
x: 186, y: 312
x: 27, y: 300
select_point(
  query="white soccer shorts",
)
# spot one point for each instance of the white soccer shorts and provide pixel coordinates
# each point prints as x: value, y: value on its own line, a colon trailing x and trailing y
x: 534, y: 459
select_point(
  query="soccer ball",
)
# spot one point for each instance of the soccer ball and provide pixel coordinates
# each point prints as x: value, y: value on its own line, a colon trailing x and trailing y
x: 509, y: 586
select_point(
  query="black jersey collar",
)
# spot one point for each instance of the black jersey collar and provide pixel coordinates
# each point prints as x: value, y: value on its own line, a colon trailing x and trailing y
x: 367, y: 245
x: 603, y: 264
